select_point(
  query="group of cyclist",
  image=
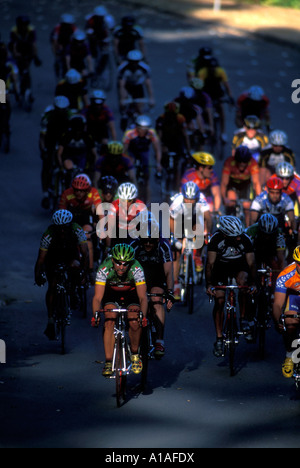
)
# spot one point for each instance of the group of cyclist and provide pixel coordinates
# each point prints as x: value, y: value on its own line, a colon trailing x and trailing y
x: 249, y: 215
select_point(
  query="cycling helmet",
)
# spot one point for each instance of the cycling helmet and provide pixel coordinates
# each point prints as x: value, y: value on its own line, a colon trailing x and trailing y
x: 61, y: 102
x: 278, y: 138
x: 231, y: 226
x: 242, y: 154
x: 267, y: 223
x: 252, y: 121
x: 204, y: 159
x: 115, y: 147
x: 77, y: 123
x: 191, y: 191
x: 128, y: 20
x: 62, y: 217
x: 275, y: 183
x: 100, y: 11
x: 213, y: 62
x: 22, y: 21
x: 98, y: 96
x: 143, y: 121
x: 205, y: 51
x: 73, y: 76
x: 172, y: 107
x: 79, y: 35
x: 187, y: 91
x: 123, y: 253
x: 108, y: 184
x: 149, y: 226
x: 82, y: 182
x: 197, y: 83
x: 256, y: 93
x: 134, y: 55
x: 296, y: 254
x: 67, y: 18
x: 127, y: 191
x: 284, y: 169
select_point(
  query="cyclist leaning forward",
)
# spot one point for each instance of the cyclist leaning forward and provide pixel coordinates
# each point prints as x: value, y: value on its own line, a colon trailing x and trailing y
x: 287, y: 299
x: 229, y: 255
x: 120, y: 280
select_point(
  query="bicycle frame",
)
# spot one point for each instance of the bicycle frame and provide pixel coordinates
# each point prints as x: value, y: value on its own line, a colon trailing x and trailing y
x: 187, y: 273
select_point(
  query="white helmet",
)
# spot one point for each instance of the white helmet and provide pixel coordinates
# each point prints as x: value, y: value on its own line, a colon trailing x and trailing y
x: 134, y: 55
x: 73, y: 76
x: 278, y: 138
x: 188, y: 92
x: 79, y: 35
x: 62, y: 217
x: 268, y: 223
x: 127, y: 191
x: 67, y: 18
x: 100, y: 11
x: 284, y: 169
x: 143, y: 121
x: 98, y: 96
x: 231, y: 226
x: 256, y: 93
x: 61, y: 102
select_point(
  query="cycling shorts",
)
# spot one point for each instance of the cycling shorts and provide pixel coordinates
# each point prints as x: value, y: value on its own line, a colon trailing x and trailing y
x: 127, y: 299
x: 222, y: 271
x: 135, y: 91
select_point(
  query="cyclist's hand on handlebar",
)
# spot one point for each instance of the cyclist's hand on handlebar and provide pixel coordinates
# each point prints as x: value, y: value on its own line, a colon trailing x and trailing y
x: 210, y: 290
x: 252, y: 289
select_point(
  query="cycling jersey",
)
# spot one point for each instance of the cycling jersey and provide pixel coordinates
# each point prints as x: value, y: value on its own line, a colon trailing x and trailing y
x: 124, y: 215
x: 266, y: 247
x: 230, y: 250
x: 74, y: 92
x: 52, y: 240
x: 231, y: 168
x: 179, y: 208
x: 78, y: 54
x: 23, y: 43
x: 127, y: 38
x: 107, y: 276
x: 69, y: 202
x: 153, y: 261
x: 205, y: 185
x: 116, y: 167
x: 97, y: 121
x: 77, y: 147
x: 262, y: 205
x: 54, y: 124
x: 62, y: 34
x: 270, y: 159
x: 134, y: 76
x: 255, y: 144
x: 288, y: 280
x: 213, y: 80
x: 139, y: 146
x: 248, y: 106
x: 170, y: 126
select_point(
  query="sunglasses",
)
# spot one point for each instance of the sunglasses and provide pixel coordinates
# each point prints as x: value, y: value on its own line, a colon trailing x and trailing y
x: 119, y: 263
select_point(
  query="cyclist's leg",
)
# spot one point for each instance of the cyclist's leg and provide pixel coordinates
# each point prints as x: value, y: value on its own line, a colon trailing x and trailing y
x: 135, y: 330
x: 291, y: 334
x: 108, y: 333
x: 232, y: 197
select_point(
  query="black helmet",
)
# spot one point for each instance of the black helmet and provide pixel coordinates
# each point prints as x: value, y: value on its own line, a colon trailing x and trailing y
x: 242, y: 154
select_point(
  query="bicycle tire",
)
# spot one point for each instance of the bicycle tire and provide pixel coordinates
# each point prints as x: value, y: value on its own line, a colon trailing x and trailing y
x: 120, y: 376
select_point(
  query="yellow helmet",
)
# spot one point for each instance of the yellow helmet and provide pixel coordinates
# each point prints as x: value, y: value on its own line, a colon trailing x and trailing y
x: 205, y: 159
x: 296, y: 254
x: 115, y: 147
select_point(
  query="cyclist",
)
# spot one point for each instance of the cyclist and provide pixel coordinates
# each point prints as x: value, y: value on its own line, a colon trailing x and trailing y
x: 205, y: 177
x: 251, y: 136
x: 287, y: 299
x: 198, y: 62
x: 155, y: 255
x: 171, y: 128
x: 98, y: 27
x: 82, y: 200
x: 60, y: 38
x: 100, y: 118
x: 191, y: 112
x: 113, y: 162
x: 108, y: 187
x: 230, y: 254
x: 120, y: 280
x: 253, y: 102
x: 274, y: 201
x: 128, y: 36
x: 291, y: 182
x: 74, y: 88
x: 204, y: 102
x: 78, y: 54
x: 200, y: 217
x: 240, y: 175
x: 134, y: 76
x: 76, y: 147
x: 272, y: 155
x: 137, y: 143
x: 54, y: 123
x: 269, y: 243
x: 64, y: 242
x: 216, y: 84
x: 8, y: 74
x: 122, y: 213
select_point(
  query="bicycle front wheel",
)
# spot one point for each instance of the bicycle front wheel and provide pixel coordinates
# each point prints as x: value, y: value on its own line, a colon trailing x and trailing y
x: 120, y: 375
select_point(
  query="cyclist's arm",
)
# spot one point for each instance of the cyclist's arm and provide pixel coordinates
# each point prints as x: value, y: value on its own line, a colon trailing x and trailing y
x: 291, y: 216
x: 250, y: 258
x: 169, y: 274
x: 216, y: 193
x: 254, y: 215
x: 157, y: 150
x: 141, y: 291
x: 211, y: 259
x: 256, y: 183
x: 279, y: 301
x: 84, y: 256
x: 98, y: 296
x: 224, y: 184
x: 39, y: 266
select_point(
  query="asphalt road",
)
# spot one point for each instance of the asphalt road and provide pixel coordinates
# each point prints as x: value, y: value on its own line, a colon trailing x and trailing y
x: 49, y: 400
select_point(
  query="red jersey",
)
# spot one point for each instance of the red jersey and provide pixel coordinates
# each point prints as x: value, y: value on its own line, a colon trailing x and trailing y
x: 69, y: 202
x: 124, y: 214
x: 231, y: 168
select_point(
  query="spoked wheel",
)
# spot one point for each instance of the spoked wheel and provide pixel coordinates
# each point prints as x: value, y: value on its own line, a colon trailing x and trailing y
x: 120, y: 376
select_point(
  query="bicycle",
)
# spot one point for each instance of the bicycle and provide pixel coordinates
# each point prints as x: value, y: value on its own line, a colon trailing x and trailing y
x: 121, y: 363
x: 61, y: 305
x: 296, y: 344
x: 170, y: 179
x: 130, y: 110
x: 216, y: 144
x: 187, y: 274
x: 264, y: 307
x: 231, y: 332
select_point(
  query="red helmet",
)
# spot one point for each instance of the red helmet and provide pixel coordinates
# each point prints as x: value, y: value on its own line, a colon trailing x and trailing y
x: 275, y: 183
x: 82, y: 182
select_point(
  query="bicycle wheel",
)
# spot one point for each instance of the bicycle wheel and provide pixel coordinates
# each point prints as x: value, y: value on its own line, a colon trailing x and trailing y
x: 190, y: 286
x: 120, y: 376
